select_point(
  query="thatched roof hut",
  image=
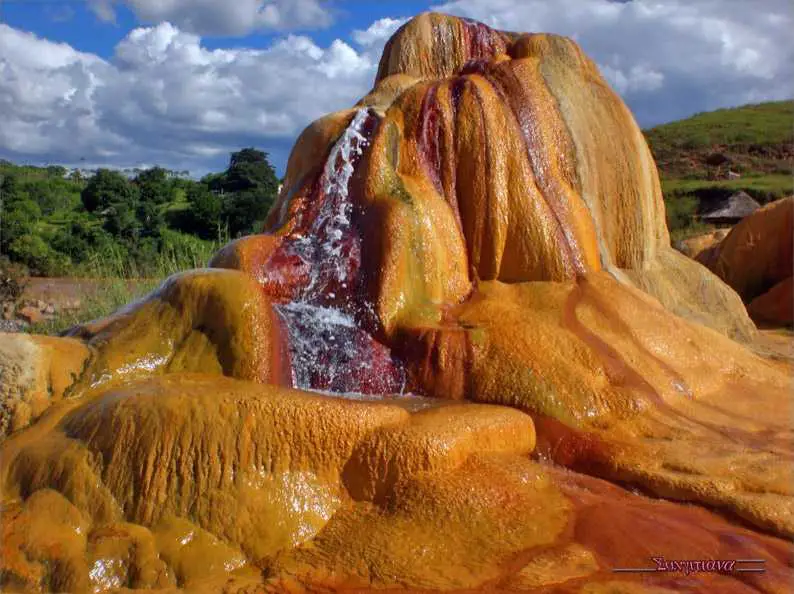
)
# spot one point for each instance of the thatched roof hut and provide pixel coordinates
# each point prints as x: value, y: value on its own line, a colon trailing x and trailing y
x: 732, y: 210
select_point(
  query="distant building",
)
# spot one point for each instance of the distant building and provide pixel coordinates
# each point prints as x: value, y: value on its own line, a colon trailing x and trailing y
x: 732, y: 210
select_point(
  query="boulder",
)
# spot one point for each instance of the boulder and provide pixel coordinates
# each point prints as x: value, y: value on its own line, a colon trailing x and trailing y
x: 757, y: 259
x: 31, y: 314
x: 776, y: 306
x: 693, y: 246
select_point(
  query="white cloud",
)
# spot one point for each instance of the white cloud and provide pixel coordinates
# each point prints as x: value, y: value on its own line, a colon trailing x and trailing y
x: 46, y: 94
x: 163, y: 97
x: 668, y: 58
x: 378, y: 33
x: 639, y: 78
x: 103, y: 9
x: 223, y: 17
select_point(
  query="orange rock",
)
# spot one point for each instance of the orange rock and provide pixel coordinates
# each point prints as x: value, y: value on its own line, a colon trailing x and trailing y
x: 212, y: 321
x: 43, y: 545
x: 472, y: 177
x: 35, y: 372
x: 758, y: 253
x: 506, y: 524
x: 446, y: 437
x: 487, y: 225
x: 693, y: 246
x: 776, y: 306
x: 435, y: 45
x: 31, y: 314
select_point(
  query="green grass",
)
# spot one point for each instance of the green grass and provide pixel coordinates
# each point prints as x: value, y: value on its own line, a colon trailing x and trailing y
x: 122, y: 283
x: 695, y: 155
x: 765, y: 123
x: 763, y: 188
x: 692, y: 230
x: 113, y: 295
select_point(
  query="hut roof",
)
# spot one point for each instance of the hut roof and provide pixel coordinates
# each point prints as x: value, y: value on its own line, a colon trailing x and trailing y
x: 738, y: 206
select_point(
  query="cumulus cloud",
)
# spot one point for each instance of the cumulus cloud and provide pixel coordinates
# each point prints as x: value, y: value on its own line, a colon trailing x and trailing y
x: 165, y: 98
x: 46, y: 92
x: 378, y: 33
x: 223, y: 17
x: 668, y: 58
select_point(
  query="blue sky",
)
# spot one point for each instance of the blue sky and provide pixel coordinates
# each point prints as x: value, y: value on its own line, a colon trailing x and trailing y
x: 75, y: 23
x: 131, y: 83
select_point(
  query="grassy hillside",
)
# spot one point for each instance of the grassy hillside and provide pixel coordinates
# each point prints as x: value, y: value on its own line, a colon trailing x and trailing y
x: 695, y: 156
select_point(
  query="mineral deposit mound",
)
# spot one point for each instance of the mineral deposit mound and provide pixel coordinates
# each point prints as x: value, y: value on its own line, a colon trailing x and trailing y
x: 462, y: 356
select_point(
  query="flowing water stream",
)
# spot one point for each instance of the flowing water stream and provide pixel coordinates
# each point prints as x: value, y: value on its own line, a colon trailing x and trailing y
x: 329, y: 350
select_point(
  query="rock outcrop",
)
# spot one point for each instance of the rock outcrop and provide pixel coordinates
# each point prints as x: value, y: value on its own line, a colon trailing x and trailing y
x: 693, y: 246
x: 35, y: 372
x: 757, y: 260
x: 463, y: 355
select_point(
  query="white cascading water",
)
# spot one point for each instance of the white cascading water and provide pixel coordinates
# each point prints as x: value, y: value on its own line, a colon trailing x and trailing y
x: 323, y: 335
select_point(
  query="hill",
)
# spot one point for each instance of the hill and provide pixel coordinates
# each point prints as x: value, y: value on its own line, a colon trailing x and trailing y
x: 707, y: 157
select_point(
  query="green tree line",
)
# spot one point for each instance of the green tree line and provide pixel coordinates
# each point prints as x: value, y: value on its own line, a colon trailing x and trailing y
x: 57, y: 224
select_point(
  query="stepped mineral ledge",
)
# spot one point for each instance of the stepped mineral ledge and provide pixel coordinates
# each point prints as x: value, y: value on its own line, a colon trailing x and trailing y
x: 462, y: 355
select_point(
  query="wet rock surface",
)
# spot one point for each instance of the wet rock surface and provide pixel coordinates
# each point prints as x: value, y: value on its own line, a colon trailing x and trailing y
x: 462, y: 356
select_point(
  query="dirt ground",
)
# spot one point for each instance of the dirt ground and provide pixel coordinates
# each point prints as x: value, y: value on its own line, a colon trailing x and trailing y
x: 60, y: 291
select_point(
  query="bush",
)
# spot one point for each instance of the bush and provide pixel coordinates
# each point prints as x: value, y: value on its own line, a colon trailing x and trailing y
x: 18, y: 218
x: 13, y: 280
x: 680, y: 211
x: 179, y: 251
x: 38, y: 256
x: 204, y: 216
x: 107, y: 188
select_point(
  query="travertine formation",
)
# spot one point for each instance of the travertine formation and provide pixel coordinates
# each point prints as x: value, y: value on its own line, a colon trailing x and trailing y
x: 757, y: 260
x: 462, y: 356
x: 693, y: 246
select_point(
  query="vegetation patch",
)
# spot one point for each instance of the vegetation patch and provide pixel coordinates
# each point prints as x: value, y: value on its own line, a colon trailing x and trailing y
x: 704, y: 159
x: 60, y: 224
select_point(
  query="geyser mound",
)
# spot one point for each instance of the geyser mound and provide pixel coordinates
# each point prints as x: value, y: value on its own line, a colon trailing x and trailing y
x: 485, y: 227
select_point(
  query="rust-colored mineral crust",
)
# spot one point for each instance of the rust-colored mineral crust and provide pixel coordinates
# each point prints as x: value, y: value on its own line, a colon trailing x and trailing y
x: 757, y: 260
x: 462, y: 356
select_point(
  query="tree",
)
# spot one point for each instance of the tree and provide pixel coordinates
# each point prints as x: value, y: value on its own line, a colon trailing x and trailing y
x: 80, y: 236
x: 150, y: 216
x: 19, y: 218
x: 105, y: 188
x: 154, y: 186
x: 52, y: 194
x: 9, y: 187
x: 56, y: 171
x: 36, y: 254
x: 121, y: 220
x: 248, y: 189
x: 242, y: 210
x: 18, y: 213
x: 249, y: 169
x: 205, y: 209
